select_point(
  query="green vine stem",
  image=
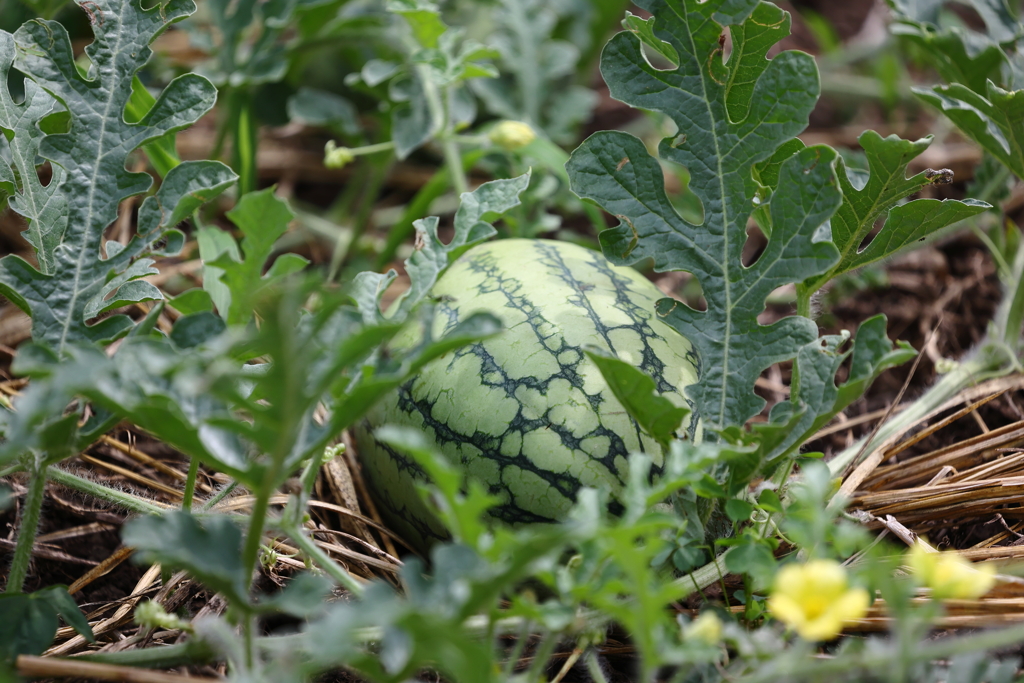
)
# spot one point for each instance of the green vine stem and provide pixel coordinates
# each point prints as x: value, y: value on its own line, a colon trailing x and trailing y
x: 27, y: 529
x: 992, y: 359
x: 223, y: 493
x: 104, y: 493
x: 322, y: 559
x: 190, y: 484
x: 997, y: 356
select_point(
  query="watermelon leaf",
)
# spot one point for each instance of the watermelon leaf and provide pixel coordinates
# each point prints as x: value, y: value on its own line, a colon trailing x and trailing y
x: 28, y: 621
x: 211, y: 551
x: 959, y: 54
x: 992, y: 119
x: 239, y: 61
x: 461, y: 505
x: 75, y: 281
x: 236, y: 276
x: 432, y: 256
x: 866, y: 199
x: 42, y: 207
x: 815, y: 398
x: 426, y: 89
x: 984, y: 96
x: 731, y: 115
x: 637, y: 392
x: 535, y: 82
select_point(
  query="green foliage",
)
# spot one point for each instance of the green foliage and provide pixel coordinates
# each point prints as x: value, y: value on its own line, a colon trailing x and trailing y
x: 28, y: 622
x: 879, y: 191
x: 212, y: 552
x: 958, y: 53
x: 983, y: 97
x: 75, y: 282
x: 722, y: 111
x: 42, y: 207
x: 637, y: 392
x: 433, y: 255
x: 266, y: 364
x: 234, y: 280
x: 741, y: 159
x: 536, y: 70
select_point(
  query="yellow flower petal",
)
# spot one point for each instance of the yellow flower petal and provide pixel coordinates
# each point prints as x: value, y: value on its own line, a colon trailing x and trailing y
x: 949, y: 575
x: 815, y: 600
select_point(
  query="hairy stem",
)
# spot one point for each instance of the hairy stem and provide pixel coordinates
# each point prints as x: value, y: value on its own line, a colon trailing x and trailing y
x: 190, y: 484
x: 104, y: 493
x: 223, y: 493
x: 27, y: 529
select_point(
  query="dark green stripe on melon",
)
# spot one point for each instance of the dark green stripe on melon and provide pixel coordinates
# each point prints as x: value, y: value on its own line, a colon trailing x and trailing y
x: 526, y: 412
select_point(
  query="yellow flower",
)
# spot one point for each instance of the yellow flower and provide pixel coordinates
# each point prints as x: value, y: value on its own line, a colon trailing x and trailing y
x: 815, y: 600
x: 707, y: 628
x: 948, y: 575
x: 511, y: 135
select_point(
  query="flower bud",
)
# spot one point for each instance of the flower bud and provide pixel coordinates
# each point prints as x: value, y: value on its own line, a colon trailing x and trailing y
x: 150, y: 614
x: 707, y: 629
x: 512, y: 135
x: 337, y: 157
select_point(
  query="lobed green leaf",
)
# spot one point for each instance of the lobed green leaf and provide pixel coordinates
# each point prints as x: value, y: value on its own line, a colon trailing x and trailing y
x: 211, y: 551
x: 877, y: 193
x: 731, y: 115
x: 78, y: 282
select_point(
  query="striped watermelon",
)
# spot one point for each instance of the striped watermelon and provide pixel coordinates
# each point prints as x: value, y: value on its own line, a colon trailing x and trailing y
x: 526, y: 412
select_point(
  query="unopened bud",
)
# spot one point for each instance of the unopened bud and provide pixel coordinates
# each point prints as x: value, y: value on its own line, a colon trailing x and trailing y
x: 152, y: 615
x: 707, y: 628
x: 337, y: 157
x: 512, y: 135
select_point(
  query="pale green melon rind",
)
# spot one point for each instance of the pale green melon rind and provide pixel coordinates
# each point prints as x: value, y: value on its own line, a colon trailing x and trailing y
x: 527, y: 412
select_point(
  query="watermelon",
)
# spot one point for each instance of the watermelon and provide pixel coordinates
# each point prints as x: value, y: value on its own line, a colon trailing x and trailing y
x: 526, y: 412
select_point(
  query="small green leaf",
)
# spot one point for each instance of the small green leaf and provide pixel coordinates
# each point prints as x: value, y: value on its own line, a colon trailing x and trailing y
x: 992, y: 120
x: 770, y: 501
x: 262, y: 218
x: 196, y: 328
x: 192, y: 301
x: 637, y: 392
x: 433, y: 256
x: 63, y: 604
x: 423, y: 18
x: 753, y: 557
x: 27, y: 626
x: 28, y: 621
x: 815, y: 399
x: 239, y: 61
x: 462, y: 504
x: 211, y: 551
x: 322, y: 108
x: 738, y: 510
x: 536, y: 81
x: 707, y: 487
